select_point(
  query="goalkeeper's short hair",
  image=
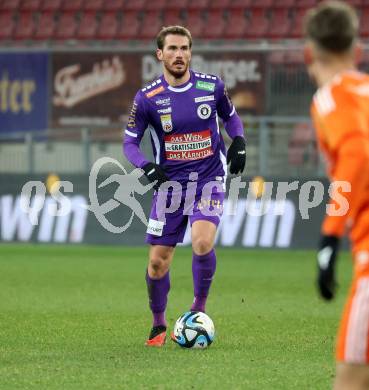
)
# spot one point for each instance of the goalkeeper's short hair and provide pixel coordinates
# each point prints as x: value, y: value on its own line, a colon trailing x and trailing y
x: 333, y: 26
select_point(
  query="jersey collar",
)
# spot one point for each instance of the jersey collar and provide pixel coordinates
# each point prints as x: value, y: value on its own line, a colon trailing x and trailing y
x: 181, y: 88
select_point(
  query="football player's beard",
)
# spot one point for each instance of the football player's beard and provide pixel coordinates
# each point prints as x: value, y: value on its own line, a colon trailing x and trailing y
x: 177, y: 74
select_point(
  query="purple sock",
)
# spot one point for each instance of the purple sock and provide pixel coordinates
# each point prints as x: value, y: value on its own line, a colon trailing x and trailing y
x: 203, y: 269
x: 158, y: 291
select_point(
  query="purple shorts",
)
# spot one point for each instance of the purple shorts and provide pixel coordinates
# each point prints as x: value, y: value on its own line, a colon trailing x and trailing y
x: 204, y: 205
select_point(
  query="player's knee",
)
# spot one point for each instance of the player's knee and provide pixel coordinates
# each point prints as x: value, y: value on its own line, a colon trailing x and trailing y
x: 158, y: 267
x: 202, y: 245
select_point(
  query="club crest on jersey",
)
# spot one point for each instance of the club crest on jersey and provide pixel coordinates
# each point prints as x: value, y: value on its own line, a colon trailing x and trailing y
x: 204, y: 111
x: 166, y: 123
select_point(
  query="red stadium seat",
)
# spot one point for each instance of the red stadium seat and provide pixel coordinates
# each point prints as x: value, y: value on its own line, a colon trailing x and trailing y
x: 219, y: 4
x: 30, y: 5
x: 280, y: 24
x: 195, y: 23
x: 26, y: 27
x: 356, y: 3
x: 259, y: 24
x: 237, y: 24
x: 130, y: 26
x: 172, y: 17
x: 134, y: 5
x: 51, y: 5
x: 109, y: 25
x: 67, y: 26
x: 151, y: 24
x: 113, y: 5
x: 94, y: 5
x: 156, y: 5
x: 364, y: 25
x: 197, y: 4
x: 240, y: 4
x: 215, y: 25
x: 9, y: 5
x: 262, y: 4
x: 7, y: 25
x: 72, y: 5
x: 297, y: 23
x: 305, y: 3
x: 46, y: 26
x: 283, y: 3
x: 177, y: 5
x: 88, y: 26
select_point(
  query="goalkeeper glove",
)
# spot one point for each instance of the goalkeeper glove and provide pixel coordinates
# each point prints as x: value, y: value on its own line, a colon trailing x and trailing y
x: 236, y: 155
x: 327, y: 255
x: 155, y: 174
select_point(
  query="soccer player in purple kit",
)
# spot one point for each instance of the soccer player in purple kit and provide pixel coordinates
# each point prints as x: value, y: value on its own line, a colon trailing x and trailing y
x: 182, y: 108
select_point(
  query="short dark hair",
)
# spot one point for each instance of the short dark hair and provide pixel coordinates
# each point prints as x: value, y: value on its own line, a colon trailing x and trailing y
x: 176, y: 30
x: 332, y: 25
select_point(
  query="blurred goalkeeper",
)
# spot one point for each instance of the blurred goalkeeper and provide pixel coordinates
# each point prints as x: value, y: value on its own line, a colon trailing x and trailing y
x: 340, y: 111
x: 182, y: 108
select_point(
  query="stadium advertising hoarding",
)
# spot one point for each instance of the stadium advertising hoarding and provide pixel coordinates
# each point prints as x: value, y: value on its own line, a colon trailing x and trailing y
x: 23, y: 91
x: 92, y: 89
x: 75, y: 223
x: 97, y: 88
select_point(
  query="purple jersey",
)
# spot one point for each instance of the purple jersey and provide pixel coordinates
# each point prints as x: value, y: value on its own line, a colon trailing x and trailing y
x: 184, y: 126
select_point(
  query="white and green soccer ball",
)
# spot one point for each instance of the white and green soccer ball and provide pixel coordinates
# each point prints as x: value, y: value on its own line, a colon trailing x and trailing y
x: 194, y: 329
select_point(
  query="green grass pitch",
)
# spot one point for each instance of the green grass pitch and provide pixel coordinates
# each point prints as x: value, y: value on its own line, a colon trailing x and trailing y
x: 77, y: 318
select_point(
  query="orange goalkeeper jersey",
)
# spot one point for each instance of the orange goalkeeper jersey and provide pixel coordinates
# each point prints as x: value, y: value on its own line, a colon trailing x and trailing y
x: 340, y: 111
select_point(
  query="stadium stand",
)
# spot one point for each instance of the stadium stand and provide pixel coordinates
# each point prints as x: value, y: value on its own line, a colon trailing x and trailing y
x: 219, y: 4
x: 7, y: 25
x: 141, y: 19
x: 364, y: 25
x: 25, y: 27
x: 280, y: 24
x: 172, y: 17
x: 109, y: 26
x: 66, y: 27
x: 30, y: 5
x: 94, y: 5
x: 216, y: 25
x: 259, y: 24
x: 179, y: 5
x: 194, y: 21
x: 88, y: 26
x: 236, y: 29
x: 51, y: 5
x: 156, y: 5
x: 240, y: 4
x: 130, y: 26
x: 72, y: 5
x: 137, y: 5
x: 9, y: 5
x: 151, y: 24
x: 46, y: 26
x: 197, y: 4
x: 113, y: 5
